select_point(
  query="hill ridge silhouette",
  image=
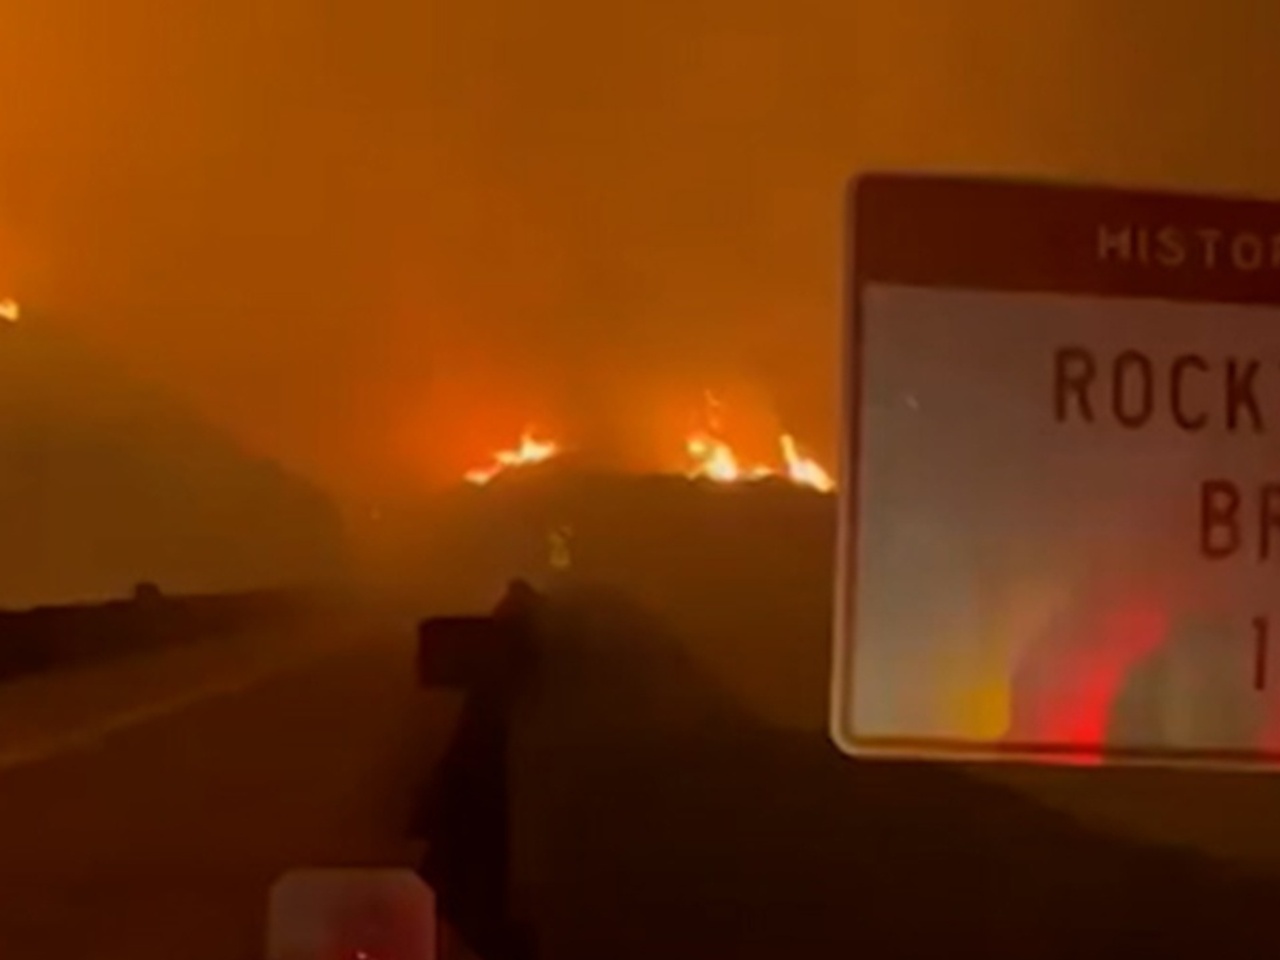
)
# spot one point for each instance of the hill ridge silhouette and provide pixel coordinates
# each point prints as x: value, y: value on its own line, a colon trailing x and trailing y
x: 106, y: 480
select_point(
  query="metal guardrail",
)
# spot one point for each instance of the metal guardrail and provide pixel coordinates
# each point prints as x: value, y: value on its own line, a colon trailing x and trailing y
x: 65, y: 637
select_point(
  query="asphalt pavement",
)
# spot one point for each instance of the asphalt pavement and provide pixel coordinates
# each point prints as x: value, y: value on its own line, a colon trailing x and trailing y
x: 146, y: 808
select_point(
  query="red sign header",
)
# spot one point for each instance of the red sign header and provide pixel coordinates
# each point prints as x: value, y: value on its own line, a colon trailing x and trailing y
x: 1033, y: 237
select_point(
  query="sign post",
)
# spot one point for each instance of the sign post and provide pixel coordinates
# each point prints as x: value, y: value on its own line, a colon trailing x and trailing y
x: 1060, y: 521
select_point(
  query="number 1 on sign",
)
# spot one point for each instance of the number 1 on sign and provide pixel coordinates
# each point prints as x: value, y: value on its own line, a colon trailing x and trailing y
x: 1261, y: 641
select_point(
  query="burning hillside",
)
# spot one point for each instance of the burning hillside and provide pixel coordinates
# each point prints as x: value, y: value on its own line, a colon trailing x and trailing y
x: 708, y: 455
x: 715, y: 460
x: 529, y: 450
x: 537, y: 509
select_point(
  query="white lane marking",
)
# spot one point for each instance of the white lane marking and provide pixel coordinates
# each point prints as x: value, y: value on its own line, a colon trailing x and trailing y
x: 92, y: 732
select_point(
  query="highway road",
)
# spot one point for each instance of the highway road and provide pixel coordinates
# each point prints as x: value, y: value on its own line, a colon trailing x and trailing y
x: 145, y: 808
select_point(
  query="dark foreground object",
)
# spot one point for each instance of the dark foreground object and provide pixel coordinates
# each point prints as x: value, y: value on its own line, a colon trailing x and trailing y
x: 616, y: 802
x: 465, y: 815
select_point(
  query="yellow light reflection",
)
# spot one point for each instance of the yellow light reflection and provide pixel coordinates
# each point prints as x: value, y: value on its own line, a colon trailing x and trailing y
x: 982, y: 704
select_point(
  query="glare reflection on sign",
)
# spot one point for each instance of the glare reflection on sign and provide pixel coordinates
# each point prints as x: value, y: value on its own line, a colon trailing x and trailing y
x: 1061, y: 537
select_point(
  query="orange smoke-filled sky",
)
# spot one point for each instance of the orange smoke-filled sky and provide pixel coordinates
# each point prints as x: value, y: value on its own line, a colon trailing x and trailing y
x: 374, y: 239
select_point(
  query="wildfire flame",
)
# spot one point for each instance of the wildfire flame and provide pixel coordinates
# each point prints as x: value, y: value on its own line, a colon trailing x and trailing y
x: 714, y: 460
x: 10, y: 311
x: 803, y: 470
x: 530, y: 450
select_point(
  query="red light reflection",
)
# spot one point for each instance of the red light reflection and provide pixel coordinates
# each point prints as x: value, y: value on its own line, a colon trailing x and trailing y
x: 1067, y: 685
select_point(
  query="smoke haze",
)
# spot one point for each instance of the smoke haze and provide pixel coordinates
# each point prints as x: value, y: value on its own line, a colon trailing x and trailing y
x: 374, y: 240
